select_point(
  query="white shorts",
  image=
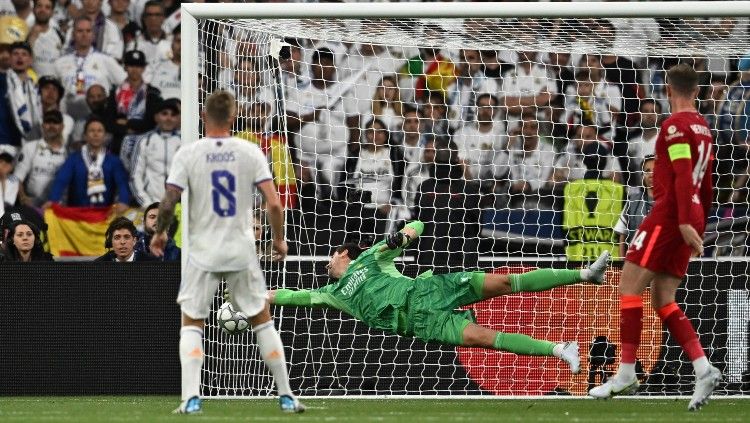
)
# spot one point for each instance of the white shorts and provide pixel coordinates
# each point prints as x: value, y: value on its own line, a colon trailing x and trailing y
x: 247, y: 289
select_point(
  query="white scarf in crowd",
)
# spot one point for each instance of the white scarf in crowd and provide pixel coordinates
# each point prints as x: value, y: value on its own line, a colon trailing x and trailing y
x: 25, y: 103
x: 96, y: 187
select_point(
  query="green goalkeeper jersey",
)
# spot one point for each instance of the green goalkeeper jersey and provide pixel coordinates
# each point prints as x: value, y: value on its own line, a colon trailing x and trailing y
x: 372, y: 289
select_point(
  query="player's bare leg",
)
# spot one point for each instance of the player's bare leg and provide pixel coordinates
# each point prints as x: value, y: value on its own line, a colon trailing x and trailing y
x: 707, y: 377
x: 191, y: 362
x: 479, y: 336
x: 634, y: 281
x: 544, y: 279
x: 272, y: 352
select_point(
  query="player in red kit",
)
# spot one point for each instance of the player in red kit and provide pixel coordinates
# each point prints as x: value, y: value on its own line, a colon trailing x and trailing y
x: 660, y: 251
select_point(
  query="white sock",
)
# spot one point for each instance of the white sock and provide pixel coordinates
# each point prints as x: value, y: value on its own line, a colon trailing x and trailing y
x: 626, y: 371
x: 191, y: 360
x: 557, y: 350
x: 701, y: 366
x: 272, y: 351
x: 585, y: 274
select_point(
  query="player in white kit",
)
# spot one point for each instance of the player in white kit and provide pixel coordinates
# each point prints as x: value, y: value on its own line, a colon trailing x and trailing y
x: 220, y: 174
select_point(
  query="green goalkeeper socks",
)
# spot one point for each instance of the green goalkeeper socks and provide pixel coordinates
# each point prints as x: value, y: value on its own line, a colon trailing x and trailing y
x: 543, y: 279
x: 522, y: 344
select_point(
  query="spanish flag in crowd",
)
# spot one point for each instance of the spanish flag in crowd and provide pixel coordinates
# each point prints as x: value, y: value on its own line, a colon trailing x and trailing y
x: 276, y: 150
x: 79, y: 231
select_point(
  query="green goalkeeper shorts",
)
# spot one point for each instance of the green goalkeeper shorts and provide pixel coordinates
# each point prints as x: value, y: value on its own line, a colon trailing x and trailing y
x: 431, y: 313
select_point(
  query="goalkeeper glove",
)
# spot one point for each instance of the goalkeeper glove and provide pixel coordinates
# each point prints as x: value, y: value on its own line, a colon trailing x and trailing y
x: 397, y: 240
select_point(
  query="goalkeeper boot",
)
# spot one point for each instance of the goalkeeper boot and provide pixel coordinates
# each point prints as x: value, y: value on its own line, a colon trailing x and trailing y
x: 704, y: 386
x: 290, y: 404
x: 614, y: 386
x: 570, y: 355
x: 596, y: 270
x: 190, y: 406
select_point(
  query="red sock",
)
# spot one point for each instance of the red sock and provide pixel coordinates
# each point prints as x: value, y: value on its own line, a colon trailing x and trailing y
x: 631, y: 325
x: 681, y: 328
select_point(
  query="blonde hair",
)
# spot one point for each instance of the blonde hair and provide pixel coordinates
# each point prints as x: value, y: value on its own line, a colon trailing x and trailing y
x: 220, y: 107
x: 379, y: 103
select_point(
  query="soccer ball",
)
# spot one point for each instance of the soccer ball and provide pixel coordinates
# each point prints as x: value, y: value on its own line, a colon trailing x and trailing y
x: 230, y: 321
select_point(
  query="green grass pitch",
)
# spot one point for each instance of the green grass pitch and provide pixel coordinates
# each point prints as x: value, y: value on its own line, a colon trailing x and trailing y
x: 158, y: 409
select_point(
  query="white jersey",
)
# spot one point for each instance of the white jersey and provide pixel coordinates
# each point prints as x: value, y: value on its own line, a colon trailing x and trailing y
x: 220, y: 175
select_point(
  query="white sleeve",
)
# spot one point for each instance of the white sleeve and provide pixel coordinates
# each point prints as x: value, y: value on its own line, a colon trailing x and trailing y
x: 178, y: 173
x: 113, y: 44
x: 614, y: 97
x: 261, y: 169
x: 621, y: 226
x: 116, y: 72
x: 24, y: 161
x: 138, y: 174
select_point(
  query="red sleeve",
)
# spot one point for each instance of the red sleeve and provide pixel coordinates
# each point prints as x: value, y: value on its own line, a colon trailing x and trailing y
x: 678, y: 133
x: 683, y: 188
x: 707, y: 190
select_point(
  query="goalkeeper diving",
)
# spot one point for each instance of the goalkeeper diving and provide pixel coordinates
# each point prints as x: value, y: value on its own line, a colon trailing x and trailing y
x: 369, y: 287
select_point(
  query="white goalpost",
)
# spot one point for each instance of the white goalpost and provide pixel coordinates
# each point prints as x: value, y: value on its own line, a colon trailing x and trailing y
x: 520, y: 134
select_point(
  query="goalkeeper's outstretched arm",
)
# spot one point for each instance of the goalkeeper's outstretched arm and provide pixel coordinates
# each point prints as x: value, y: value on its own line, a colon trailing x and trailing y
x: 404, y: 237
x: 309, y: 298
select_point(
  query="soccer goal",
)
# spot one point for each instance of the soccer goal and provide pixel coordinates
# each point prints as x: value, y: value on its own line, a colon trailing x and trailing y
x: 520, y: 133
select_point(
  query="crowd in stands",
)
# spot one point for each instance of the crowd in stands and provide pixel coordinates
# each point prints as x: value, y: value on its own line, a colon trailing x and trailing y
x: 90, y: 116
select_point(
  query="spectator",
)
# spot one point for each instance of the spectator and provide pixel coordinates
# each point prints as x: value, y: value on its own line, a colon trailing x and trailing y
x: 622, y: 73
x: 434, y: 116
x: 734, y: 131
x: 171, y: 251
x: 39, y: 161
x: 528, y: 87
x: 449, y: 206
x: 24, y: 11
x: 607, y: 96
x: 364, y: 67
x: 45, y: 38
x: 330, y: 125
x: 9, y: 183
x: 417, y: 172
x: 638, y: 206
x: 24, y: 244
x: 118, y: 14
x: 50, y: 93
x: 493, y: 67
x: 165, y: 74
x: 387, y: 104
x: 562, y: 72
x: 152, y: 40
x: 528, y: 162
x: 247, y: 81
x: 96, y: 103
x: 22, y: 92
x: 12, y: 29
x: 10, y: 136
x: 106, y: 36
x: 120, y: 240
x: 643, y: 144
x: 587, y: 103
x: 132, y: 105
x: 571, y: 166
x: 153, y: 154
x: 471, y: 83
x: 710, y: 104
x: 481, y: 141
x: 375, y: 182
x: 92, y: 176
x: 84, y: 67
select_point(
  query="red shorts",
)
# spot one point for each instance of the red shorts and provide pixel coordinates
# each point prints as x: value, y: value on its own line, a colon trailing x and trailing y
x: 659, y: 247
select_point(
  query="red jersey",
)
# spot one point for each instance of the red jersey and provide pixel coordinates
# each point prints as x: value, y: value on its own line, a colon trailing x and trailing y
x: 683, y: 189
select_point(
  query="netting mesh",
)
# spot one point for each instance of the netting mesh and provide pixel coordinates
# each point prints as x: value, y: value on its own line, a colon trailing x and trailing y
x: 521, y: 137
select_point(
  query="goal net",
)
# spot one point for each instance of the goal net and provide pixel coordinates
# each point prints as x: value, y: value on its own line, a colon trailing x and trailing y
x: 520, y: 143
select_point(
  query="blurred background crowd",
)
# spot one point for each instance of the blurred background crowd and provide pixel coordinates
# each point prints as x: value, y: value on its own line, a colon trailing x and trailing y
x: 380, y: 134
